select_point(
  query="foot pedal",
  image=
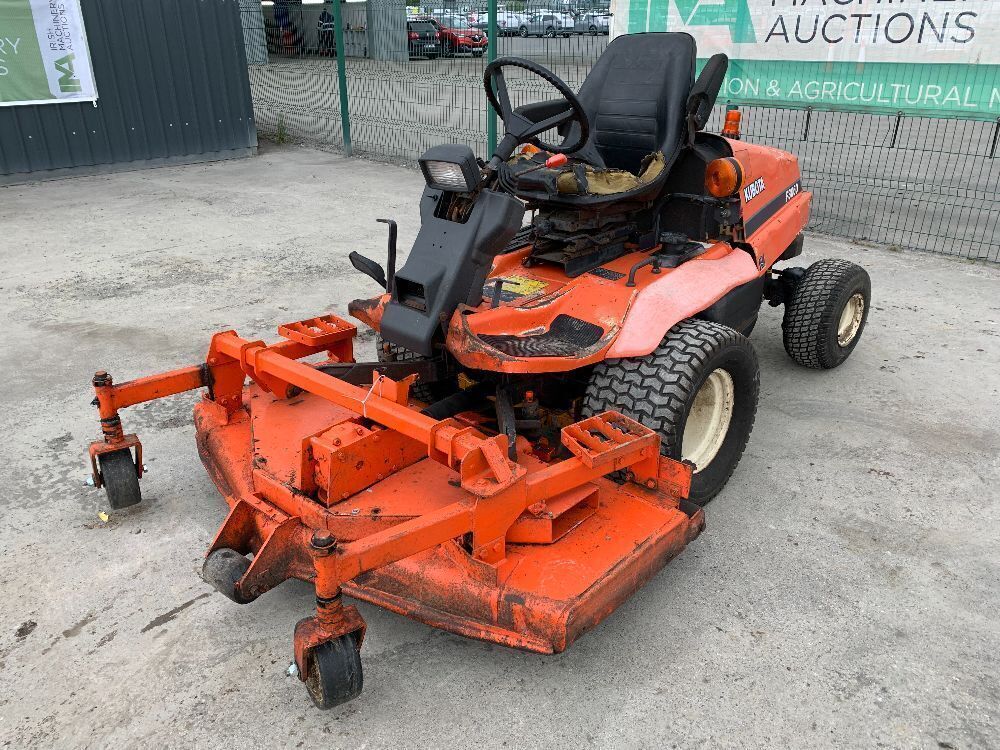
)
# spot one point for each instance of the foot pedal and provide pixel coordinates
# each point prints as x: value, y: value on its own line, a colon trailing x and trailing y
x: 605, y: 438
x: 321, y: 332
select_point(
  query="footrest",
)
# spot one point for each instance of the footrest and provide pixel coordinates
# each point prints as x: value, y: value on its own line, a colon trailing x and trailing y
x: 319, y: 332
x: 606, y: 437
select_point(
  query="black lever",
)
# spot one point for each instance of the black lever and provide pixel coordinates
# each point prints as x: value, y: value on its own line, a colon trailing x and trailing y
x: 653, y: 261
x: 369, y: 268
x: 390, y: 263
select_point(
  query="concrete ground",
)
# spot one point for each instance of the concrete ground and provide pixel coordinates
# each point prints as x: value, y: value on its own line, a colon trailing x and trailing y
x: 844, y: 594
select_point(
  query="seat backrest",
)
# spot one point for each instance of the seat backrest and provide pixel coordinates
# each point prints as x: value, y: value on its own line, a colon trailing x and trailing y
x: 636, y: 97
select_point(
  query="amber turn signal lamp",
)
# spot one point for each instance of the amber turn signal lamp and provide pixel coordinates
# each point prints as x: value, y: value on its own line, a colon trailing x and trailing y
x: 723, y: 177
x: 732, y: 127
x: 556, y: 161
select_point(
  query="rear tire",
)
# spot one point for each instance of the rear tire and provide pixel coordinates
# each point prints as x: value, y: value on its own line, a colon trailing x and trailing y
x: 120, y: 478
x: 826, y: 314
x: 523, y: 31
x: 426, y: 392
x: 698, y: 389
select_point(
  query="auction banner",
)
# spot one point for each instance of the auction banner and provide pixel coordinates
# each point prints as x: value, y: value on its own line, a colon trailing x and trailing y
x: 43, y: 53
x: 921, y: 57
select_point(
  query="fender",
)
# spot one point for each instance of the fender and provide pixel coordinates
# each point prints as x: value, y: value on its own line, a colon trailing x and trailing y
x: 685, y: 291
x: 701, y: 282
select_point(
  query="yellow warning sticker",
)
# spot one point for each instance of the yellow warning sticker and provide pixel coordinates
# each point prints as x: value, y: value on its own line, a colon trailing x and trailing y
x: 522, y: 286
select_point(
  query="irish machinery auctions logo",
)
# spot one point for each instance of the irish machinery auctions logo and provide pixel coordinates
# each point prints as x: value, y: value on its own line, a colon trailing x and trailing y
x: 43, y: 53
x: 927, y: 57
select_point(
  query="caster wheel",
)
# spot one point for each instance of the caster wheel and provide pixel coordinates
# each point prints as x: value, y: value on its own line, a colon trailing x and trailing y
x: 335, y: 675
x: 222, y: 569
x: 120, y: 478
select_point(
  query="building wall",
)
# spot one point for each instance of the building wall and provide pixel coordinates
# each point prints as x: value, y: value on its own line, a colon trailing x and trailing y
x: 172, y: 85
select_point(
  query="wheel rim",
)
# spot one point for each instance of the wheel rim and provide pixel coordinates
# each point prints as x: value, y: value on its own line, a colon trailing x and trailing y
x: 850, y: 319
x: 708, y: 420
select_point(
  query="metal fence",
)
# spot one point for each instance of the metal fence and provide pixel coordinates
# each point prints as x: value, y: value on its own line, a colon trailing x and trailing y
x: 910, y: 182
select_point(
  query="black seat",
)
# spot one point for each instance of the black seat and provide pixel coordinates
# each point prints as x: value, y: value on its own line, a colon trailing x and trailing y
x: 640, y: 98
x: 635, y: 98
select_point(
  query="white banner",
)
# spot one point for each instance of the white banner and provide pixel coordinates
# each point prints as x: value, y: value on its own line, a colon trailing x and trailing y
x: 44, y: 56
x: 939, y: 57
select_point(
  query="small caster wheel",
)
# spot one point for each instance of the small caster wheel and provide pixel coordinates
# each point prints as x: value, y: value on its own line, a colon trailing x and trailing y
x: 120, y: 478
x: 335, y: 675
x: 222, y: 569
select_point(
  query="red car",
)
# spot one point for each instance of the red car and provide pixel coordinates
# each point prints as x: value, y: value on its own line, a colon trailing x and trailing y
x: 458, y: 35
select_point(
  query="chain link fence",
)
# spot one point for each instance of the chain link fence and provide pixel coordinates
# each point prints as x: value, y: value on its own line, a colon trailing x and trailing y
x: 415, y: 80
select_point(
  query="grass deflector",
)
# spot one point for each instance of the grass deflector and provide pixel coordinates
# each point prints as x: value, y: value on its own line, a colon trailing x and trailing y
x: 552, y: 404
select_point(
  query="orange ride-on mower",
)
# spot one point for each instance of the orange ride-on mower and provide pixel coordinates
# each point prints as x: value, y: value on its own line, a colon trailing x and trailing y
x: 552, y: 404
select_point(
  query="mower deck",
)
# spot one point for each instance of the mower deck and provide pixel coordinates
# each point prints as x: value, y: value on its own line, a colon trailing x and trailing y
x: 609, y: 539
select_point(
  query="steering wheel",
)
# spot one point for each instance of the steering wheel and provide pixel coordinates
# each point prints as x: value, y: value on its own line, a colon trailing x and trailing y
x: 519, y: 128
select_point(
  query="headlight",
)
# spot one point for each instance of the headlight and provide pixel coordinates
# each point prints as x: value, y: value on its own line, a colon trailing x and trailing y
x: 451, y: 167
x: 445, y: 175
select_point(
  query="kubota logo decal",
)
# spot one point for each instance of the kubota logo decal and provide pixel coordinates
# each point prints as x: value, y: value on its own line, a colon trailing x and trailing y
x: 754, y: 189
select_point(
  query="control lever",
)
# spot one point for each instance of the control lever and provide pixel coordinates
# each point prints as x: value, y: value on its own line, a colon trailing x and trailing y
x: 369, y: 268
x: 390, y: 262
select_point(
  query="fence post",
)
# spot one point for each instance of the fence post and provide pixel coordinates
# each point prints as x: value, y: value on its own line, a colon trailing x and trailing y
x: 345, y: 114
x: 491, y: 55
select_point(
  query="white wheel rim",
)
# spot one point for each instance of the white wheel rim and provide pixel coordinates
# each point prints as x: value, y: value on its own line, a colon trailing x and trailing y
x: 708, y: 421
x: 850, y: 319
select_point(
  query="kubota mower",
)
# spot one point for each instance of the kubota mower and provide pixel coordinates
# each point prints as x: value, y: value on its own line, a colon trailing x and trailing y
x: 552, y: 403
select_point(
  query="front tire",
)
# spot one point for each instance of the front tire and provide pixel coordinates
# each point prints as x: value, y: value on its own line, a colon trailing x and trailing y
x: 523, y: 31
x: 826, y: 314
x: 698, y: 389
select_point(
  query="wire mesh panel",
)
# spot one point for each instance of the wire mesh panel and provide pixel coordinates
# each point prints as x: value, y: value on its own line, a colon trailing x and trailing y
x: 415, y: 80
x: 923, y: 183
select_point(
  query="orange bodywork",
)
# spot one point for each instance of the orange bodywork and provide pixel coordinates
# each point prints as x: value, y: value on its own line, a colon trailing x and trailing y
x: 356, y: 491
x: 633, y: 319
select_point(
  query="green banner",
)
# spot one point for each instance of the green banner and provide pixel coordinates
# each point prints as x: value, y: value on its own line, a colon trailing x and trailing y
x: 933, y: 58
x: 43, y: 53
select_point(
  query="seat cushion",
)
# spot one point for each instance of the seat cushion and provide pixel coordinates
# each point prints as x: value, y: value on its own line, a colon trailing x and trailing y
x: 635, y: 98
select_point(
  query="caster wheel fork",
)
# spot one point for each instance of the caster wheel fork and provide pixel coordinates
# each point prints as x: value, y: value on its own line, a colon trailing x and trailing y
x: 328, y: 653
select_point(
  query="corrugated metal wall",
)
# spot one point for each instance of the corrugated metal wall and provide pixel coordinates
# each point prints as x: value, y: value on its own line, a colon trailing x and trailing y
x: 172, y: 86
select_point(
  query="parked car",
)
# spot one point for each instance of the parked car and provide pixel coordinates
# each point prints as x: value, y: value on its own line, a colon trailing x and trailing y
x: 592, y: 23
x: 508, y: 22
x: 423, y: 39
x: 458, y: 35
x: 546, y: 24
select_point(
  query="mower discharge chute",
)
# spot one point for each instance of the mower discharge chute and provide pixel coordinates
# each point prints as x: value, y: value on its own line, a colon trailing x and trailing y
x: 551, y: 405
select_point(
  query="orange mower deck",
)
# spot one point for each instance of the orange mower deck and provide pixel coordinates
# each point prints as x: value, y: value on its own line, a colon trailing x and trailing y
x: 356, y: 491
x: 566, y: 567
